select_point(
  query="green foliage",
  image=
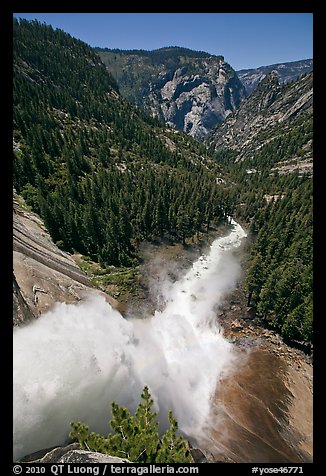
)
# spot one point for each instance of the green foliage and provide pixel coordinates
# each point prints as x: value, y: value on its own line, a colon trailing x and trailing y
x: 100, y: 174
x: 278, y: 209
x: 173, y: 448
x: 283, y: 146
x: 134, y: 70
x: 104, y: 177
x: 135, y: 437
x: 280, y: 272
x: 160, y: 55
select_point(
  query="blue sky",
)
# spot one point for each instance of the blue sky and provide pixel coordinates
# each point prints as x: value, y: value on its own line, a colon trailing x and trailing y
x: 246, y: 40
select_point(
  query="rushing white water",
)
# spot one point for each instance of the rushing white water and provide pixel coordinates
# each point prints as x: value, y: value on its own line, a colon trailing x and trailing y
x: 73, y: 361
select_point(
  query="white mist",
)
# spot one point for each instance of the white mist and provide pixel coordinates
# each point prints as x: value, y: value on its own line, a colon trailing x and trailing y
x: 73, y: 361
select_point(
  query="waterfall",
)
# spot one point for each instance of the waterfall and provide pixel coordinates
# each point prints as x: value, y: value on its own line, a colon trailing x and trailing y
x: 70, y: 364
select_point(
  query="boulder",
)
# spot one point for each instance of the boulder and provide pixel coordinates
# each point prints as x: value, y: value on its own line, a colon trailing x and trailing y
x: 74, y: 454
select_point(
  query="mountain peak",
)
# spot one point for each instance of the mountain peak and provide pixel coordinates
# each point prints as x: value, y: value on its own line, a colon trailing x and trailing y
x: 271, y: 80
x: 190, y: 90
x: 286, y: 72
x: 271, y: 114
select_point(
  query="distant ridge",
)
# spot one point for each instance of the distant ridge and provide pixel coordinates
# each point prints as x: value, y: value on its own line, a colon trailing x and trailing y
x: 160, y: 52
x: 286, y: 72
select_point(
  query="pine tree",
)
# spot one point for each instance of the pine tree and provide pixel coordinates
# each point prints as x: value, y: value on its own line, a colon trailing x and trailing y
x: 135, y: 437
x: 173, y: 448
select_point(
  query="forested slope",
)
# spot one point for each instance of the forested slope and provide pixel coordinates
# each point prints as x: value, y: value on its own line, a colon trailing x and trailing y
x: 191, y: 90
x: 266, y: 149
x: 102, y: 176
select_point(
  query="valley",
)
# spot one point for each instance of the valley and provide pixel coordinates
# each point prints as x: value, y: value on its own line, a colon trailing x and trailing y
x: 167, y: 245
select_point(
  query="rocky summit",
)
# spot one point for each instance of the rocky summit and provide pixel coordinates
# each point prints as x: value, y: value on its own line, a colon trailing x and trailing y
x: 274, y: 116
x: 190, y: 90
x: 286, y: 72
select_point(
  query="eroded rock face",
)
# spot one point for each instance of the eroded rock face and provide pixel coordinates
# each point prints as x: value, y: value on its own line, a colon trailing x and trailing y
x: 271, y: 111
x: 286, y: 72
x: 192, y: 91
x: 263, y: 412
x: 43, y: 274
x: 196, y: 102
x: 21, y: 311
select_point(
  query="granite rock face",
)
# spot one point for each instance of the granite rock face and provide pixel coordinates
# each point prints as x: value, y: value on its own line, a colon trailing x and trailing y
x: 74, y: 454
x: 43, y: 274
x: 192, y: 91
x: 271, y: 111
x: 195, y: 103
x: 22, y: 312
x: 286, y: 72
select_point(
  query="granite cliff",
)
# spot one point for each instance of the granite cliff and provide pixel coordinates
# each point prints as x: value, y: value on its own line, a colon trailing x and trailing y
x: 278, y: 116
x: 190, y: 90
x: 42, y: 273
x: 286, y: 72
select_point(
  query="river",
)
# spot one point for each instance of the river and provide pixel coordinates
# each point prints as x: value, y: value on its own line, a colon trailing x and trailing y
x: 74, y: 360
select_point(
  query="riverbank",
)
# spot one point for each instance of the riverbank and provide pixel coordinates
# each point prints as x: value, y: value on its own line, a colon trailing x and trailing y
x: 266, y: 404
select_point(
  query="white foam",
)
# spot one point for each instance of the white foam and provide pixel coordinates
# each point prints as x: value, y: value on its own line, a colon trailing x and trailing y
x: 73, y: 361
